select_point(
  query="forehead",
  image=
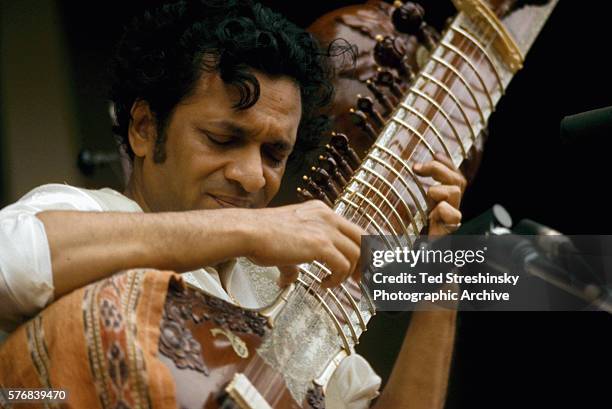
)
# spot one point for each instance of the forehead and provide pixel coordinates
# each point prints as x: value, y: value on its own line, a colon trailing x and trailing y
x: 278, y: 108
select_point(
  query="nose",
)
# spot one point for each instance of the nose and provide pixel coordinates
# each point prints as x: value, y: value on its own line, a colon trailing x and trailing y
x: 246, y: 168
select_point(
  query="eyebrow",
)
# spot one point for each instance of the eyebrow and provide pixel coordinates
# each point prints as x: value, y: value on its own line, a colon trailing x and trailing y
x: 279, y: 143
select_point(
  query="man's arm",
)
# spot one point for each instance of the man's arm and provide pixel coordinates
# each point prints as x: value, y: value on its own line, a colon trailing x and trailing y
x: 420, y: 375
x: 88, y: 246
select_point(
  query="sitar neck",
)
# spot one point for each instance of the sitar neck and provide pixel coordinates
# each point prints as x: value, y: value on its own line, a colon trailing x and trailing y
x: 445, y: 110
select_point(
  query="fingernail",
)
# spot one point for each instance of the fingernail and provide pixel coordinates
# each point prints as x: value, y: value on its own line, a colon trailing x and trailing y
x: 417, y: 166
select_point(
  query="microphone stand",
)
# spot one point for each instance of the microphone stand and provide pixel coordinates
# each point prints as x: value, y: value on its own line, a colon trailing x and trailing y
x: 497, y: 221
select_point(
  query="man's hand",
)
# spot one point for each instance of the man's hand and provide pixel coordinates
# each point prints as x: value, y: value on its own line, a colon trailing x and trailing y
x: 290, y: 235
x: 444, y: 198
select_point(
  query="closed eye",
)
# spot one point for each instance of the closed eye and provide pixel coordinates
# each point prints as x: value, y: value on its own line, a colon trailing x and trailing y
x: 218, y: 139
x: 276, y: 155
x: 274, y: 161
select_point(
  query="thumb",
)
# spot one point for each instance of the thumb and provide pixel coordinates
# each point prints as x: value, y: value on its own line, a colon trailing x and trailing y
x: 289, y: 274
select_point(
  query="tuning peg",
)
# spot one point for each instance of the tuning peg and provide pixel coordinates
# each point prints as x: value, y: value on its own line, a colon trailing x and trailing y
x: 323, y: 179
x: 316, y: 190
x: 365, y: 104
x: 386, y: 54
x: 380, y: 96
x: 409, y: 18
x: 341, y: 143
x: 329, y: 164
x: 343, y: 166
x: 304, y: 194
x: 361, y: 120
x: 387, y: 79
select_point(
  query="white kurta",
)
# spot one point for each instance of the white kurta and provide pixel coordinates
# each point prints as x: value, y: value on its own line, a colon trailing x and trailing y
x: 26, y: 280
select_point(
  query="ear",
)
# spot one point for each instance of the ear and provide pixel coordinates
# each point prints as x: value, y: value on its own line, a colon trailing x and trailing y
x: 142, y: 131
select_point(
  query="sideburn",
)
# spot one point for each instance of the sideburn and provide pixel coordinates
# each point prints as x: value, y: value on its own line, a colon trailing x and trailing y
x: 159, y: 154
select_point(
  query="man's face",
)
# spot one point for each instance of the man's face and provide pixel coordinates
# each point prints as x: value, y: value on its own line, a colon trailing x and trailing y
x: 217, y: 156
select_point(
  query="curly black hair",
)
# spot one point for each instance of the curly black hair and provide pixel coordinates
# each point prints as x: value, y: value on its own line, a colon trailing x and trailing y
x: 163, y: 53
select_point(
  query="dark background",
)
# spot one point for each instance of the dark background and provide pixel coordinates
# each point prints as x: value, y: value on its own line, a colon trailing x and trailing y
x: 518, y: 360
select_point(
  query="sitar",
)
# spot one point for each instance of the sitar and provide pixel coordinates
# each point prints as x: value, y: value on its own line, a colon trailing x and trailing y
x: 193, y: 350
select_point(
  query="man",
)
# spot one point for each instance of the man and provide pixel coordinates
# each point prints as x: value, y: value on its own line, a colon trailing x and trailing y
x: 211, y: 99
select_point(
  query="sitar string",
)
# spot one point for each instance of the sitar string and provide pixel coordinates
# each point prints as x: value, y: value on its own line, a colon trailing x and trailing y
x: 314, y: 286
x: 414, y: 153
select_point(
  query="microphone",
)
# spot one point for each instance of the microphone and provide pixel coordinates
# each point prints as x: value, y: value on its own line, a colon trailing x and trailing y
x: 495, y: 220
x: 593, y: 124
x: 526, y: 257
x: 560, y: 249
x: 548, y: 239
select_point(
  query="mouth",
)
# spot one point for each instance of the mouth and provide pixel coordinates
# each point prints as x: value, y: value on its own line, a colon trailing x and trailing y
x: 228, y: 201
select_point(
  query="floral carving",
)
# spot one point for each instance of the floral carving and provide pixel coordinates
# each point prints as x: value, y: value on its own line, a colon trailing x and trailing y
x: 184, y: 304
x: 315, y: 398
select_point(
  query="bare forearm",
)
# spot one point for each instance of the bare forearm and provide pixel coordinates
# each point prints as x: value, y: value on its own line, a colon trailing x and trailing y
x: 88, y: 246
x: 420, y: 376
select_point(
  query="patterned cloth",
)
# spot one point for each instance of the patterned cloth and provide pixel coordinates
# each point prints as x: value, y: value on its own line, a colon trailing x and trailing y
x: 26, y: 287
x: 88, y: 343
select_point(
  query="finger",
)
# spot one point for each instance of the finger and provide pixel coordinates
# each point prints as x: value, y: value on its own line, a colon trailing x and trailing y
x: 440, y: 157
x: 349, y: 249
x: 338, y: 265
x: 334, y: 280
x: 339, y: 273
x: 447, y: 193
x: 444, y: 213
x: 289, y: 275
x: 444, y: 219
x: 351, y: 230
x: 440, y: 173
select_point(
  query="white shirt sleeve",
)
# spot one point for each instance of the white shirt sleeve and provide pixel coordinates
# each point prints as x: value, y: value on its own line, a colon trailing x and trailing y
x: 353, y: 385
x: 26, y: 280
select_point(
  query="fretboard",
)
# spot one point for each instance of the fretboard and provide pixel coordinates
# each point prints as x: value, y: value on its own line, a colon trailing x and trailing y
x: 445, y: 110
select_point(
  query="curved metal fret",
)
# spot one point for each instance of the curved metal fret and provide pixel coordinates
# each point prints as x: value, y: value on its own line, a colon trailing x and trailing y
x: 349, y: 323
x: 348, y: 295
x: 417, y: 133
x: 444, y: 114
x: 362, y: 323
x: 339, y: 329
x: 479, y: 13
x: 365, y: 293
x: 455, y: 99
x: 466, y: 33
x: 406, y: 166
x: 464, y: 57
x: 464, y: 82
x: 402, y: 181
x: 430, y: 125
x: 370, y: 218
x: 415, y: 228
x: 379, y: 193
x: 380, y: 213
